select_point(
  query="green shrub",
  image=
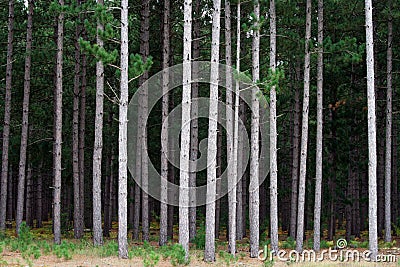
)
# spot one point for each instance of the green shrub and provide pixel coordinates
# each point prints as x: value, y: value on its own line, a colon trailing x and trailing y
x: 200, y: 238
x: 290, y: 243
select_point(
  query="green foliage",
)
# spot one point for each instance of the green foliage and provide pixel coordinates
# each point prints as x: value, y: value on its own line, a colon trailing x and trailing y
x: 151, y: 259
x: 200, y: 238
x: 64, y: 250
x: 108, y: 249
x: 175, y: 252
x: 227, y: 257
x: 289, y: 243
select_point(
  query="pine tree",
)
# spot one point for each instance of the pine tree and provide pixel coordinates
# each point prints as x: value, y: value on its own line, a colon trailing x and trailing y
x: 7, y: 115
x: 122, y: 137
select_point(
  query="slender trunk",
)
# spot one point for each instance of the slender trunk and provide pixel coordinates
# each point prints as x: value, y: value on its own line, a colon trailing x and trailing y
x: 237, y: 156
x: 122, y: 138
x: 78, y: 230
x: 254, y: 201
x: 194, y: 146
x: 320, y: 79
x: 164, y: 138
x: 243, y: 118
x: 25, y: 120
x: 144, y: 51
x: 28, y: 211
x: 304, y: 133
x: 230, y: 133
x: 274, y: 134
x: 388, y: 156
x: 58, y: 130
x: 7, y: 115
x: 372, y: 204
x: 295, y: 161
x: 171, y: 179
x: 10, y: 195
x: 185, y: 133
x: 82, y: 129
x: 209, y: 253
x: 218, y: 181
x: 39, y: 203
x: 98, y: 142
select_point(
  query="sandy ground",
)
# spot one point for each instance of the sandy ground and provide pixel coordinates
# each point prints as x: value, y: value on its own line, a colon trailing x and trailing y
x: 15, y: 259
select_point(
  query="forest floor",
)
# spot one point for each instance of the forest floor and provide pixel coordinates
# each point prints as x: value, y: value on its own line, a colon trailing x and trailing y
x: 35, y: 248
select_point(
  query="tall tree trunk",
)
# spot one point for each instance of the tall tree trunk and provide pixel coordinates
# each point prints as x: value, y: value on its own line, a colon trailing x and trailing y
x: 372, y: 214
x: 164, y: 138
x: 144, y: 51
x: 320, y: 80
x: 25, y: 119
x: 237, y: 141
x: 7, y: 115
x: 82, y: 130
x: 230, y: 133
x: 78, y: 229
x: 185, y: 133
x: 122, y: 138
x: 295, y: 159
x: 98, y: 141
x: 10, y: 195
x: 243, y: 118
x: 254, y: 201
x: 218, y: 181
x: 28, y: 210
x: 274, y: 134
x: 209, y: 253
x: 194, y: 146
x: 304, y: 133
x: 58, y: 129
x: 388, y: 156
x: 39, y: 202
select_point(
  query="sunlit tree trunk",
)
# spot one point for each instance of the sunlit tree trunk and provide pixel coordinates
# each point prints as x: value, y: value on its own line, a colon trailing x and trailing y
x: 304, y: 134
x: 122, y: 137
x: 185, y: 132
x: 58, y: 129
x: 7, y: 115
x: 254, y: 201
x: 209, y: 253
x: 164, y: 137
x: 372, y: 165
x: 98, y: 142
x: 274, y: 134
x: 320, y: 77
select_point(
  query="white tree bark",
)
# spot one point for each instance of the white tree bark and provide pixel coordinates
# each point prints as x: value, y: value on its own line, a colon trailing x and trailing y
x: 236, y: 159
x: 164, y: 138
x: 98, y: 142
x: 254, y: 200
x: 58, y: 129
x: 274, y: 134
x: 7, y: 115
x: 232, y: 172
x: 25, y: 119
x: 318, y: 172
x: 372, y: 191
x: 209, y: 253
x: 388, y: 159
x: 185, y: 132
x: 304, y: 133
x: 122, y: 137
